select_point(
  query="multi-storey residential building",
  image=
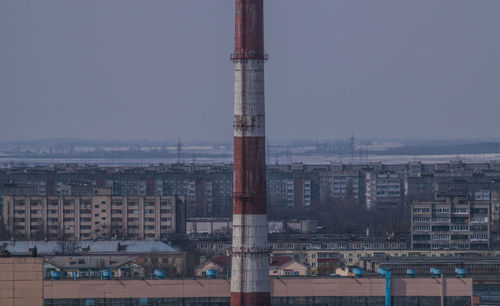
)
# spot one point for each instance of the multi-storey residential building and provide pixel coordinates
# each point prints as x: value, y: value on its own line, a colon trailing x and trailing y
x: 383, y: 189
x: 208, y: 189
x: 341, y: 184
x: 99, y: 216
x: 451, y: 223
x: 291, y: 186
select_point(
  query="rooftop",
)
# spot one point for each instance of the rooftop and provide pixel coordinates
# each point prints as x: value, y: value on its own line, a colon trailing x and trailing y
x: 45, y: 248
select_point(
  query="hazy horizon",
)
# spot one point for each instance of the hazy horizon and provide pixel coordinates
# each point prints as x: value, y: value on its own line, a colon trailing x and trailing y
x: 118, y: 70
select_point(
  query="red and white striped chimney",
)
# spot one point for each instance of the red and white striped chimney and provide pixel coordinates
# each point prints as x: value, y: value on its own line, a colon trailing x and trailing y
x: 250, y: 272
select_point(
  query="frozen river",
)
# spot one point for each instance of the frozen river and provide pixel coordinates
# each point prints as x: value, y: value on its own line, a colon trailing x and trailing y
x: 316, y: 159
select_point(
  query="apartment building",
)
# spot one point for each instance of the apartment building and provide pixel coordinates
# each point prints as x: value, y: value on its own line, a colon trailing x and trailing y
x: 99, y: 216
x: 453, y: 222
x: 208, y: 189
x: 341, y: 184
x: 383, y: 189
x: 290, y: 187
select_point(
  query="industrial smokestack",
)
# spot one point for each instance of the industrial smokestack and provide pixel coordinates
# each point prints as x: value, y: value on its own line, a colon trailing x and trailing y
x: 250, y: 273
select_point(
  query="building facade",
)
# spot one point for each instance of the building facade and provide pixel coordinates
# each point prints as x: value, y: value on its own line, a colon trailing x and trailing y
x: 451, y: 223
x: 99, y: 216
x: 208, y: 189
x: 383, y: 189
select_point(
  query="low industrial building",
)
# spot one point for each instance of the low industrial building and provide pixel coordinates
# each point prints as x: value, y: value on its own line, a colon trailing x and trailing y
x: 278, y: 266
x: 479, y: 268
x: 323, y: 253
x: 92, y: 267
x: 22, y: 283
x: 86, y: 257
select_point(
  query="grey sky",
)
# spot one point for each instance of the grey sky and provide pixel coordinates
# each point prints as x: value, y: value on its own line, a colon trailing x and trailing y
x: 160, y: 69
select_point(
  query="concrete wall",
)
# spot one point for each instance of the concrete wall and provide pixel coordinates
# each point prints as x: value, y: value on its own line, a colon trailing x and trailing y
x: 21, y: 281
x: 285, y: 287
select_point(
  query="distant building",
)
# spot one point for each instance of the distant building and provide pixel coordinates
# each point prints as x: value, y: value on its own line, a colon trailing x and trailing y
x: 209, y: 226
x: 127, y: 258
x: 87, y: 267
x: 224, y: 226
x: 99, y: 216
x: 208, y: 189
x: 477, y: 267
x: 291, y: 186
x: 302, y: 226
x: 342, y: 184
x: 451, y: 223
x: 278, y: 266
x: 220, y: 264
x: 383, y: 189
x: 286, y: 266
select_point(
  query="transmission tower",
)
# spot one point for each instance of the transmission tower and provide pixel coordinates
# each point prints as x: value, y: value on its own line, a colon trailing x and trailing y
x: 179, y: 151
x: 352, y: 145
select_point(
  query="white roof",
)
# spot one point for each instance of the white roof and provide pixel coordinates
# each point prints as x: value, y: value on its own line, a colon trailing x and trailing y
x: 88, y: 247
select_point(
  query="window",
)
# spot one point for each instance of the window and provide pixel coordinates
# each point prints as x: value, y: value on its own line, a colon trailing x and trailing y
x: 440, y: 219
x: 478, y: 237
x: 421, y: 219
x: 420, y: 210
x: 421, y: 227
x: 478, y: 219
x: 440, y: 210
x: 440, y: 237
x: 459, y: 227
